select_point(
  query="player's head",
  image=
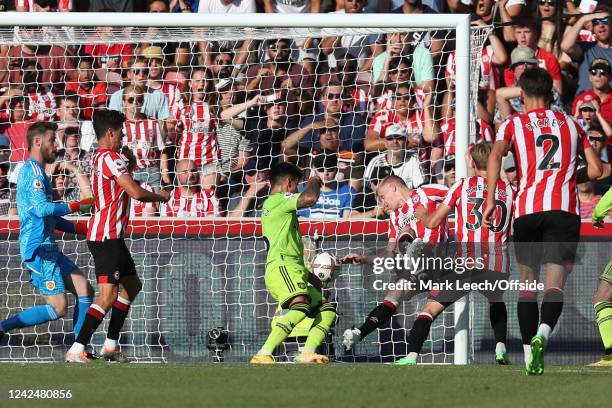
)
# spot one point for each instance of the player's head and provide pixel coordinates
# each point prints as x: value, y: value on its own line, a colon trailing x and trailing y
x: 41, y: 139
x: 108, y: 125
x: 285, y: 177
x: 389, y: 193
x: 187, y: 173
x: 536, y: 84
x: 480, y: 154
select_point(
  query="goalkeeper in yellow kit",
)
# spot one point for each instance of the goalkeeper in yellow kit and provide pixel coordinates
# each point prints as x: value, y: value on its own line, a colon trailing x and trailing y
x: 602, y: 298
x: 286, y: 276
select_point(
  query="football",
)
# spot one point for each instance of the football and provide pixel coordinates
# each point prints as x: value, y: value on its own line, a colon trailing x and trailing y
x: 324, y: 266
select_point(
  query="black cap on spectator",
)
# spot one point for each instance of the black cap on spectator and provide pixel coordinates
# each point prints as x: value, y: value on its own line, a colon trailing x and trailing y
x: 326, y: 160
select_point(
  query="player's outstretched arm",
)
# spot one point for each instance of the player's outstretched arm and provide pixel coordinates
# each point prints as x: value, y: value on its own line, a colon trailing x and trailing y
x: 41, y: 207
x: 133, y: 189
x: 310, y: 195
x: 354, y: 258
x: 79, y: 228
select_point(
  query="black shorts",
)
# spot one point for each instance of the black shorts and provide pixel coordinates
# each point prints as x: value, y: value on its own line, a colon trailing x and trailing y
x: 546, y: 237
x: 112, y: 260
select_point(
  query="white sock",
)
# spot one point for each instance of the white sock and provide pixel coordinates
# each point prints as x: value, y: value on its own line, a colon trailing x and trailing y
x: 500, y: 347
x: 527, y: 352
x: 110, y: 344
x: 545, y: 331
x: 413, y: 354
x: 77, y: 348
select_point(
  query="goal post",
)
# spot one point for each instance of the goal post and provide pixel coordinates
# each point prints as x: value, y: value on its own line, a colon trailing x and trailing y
x: 157, y: 241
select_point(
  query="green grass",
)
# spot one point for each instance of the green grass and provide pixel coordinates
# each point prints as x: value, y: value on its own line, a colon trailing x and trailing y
x: 337, y: 385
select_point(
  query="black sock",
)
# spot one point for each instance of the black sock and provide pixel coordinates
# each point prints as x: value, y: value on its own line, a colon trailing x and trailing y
x: 377, y: 317
x: 93, y: 318
x: 528, y: 315
x: 419, y: 332
x: 121, y: 308
x: 498, y: 316
x: 552, y: 306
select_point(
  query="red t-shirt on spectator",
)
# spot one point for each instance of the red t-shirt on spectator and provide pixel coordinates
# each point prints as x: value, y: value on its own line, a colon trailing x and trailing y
x: 545, y: 60
x: 97, y: 95
x: 62, y: 5
x: 17, y: 134
x: 56, y: 64
x: 102, y: 52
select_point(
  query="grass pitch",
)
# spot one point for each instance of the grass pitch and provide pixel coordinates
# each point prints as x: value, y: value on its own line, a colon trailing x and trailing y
x: 338, y: 385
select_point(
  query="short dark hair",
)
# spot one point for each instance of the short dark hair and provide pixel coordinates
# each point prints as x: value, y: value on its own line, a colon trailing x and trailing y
x: 536, y: 83
x: 39, y: 129
x: 84, y: 58
x: 283, y: 170
x: 67, y: 96
x: 106, y: 119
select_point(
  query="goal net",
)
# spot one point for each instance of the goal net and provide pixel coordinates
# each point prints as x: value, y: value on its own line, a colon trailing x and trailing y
x: 210, y: 105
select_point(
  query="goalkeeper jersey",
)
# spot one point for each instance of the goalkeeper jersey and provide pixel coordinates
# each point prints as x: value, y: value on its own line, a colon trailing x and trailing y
x: 38, y: 214
x: 280, y: 228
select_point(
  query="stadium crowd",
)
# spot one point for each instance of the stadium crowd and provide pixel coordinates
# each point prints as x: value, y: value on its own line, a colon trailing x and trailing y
x: 209, y: 118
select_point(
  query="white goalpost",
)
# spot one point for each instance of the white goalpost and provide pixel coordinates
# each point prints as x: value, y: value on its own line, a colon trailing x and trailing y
x: 202, y: 272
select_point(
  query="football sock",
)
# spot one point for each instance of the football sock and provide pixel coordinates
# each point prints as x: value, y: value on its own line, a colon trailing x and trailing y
x: 603, y: 316
x: 283, y: 326
x: 120, y: 310
x: 30, y: 317
x: 552, y: 306
x: 527, y: 311
x: 80, y: 311
x: 320, y: 327
x: 95, y: 315
x: 377, y: 317
x: 498, y: 315
x: 419, y: 332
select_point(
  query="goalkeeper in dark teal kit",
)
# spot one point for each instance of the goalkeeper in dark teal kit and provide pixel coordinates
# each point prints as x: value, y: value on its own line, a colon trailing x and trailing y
x: 51, y: 272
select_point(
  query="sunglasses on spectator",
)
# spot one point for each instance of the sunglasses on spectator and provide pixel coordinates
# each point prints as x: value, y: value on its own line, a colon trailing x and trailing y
x: 405, y: 96
x: 223, y: 62
x: 603, y: 72
x: 545, y: 2
x: 138, y: 71
x: 332, y: 95
x: 597, y: 21
x: 596, y: 139
x: 133, y: 99
x: 329, y: 169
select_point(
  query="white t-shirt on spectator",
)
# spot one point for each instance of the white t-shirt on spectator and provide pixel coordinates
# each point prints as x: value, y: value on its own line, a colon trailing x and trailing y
x: 235, y: 7
x: 410, y: 170
x: 291, y: 6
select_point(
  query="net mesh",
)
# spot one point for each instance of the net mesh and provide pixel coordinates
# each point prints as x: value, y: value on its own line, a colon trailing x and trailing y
x: 219, y: 106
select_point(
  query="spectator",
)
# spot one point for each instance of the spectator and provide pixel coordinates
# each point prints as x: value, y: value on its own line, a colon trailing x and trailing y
x: 68, y: 116
x: 336, y: 198
x: 143, y: 209
x: 363, y: 47
x: 255, y: 190
x: 583, y: 53
x: 508, y: 11
x: 198, y: 141
x: 484, y: 10
x: 157, y: 6
x: 63, y: 190
x: 222, y: 65
x: 352, y: 125
x: 55, y: 62
x: 155, y: 103
x: 420, y: 124
x: 354, y: 89
x: 600, y: 93
x: 182, y: 6
x: 92, y: 93
x: 598, y: 140
x: 146, y: 139
x: 20, y: 122
x: 43, y: 5
x: 449, y: 171
x: 41, y: 97
x: 116, y: 6
x: 188, y: 199
x: 552, y: 28
x: 510, y: 172
x: 284, y: 7
x: 526, y: 35
x: 108, y: 55
x: 77, y: 157
x: 403, y: 163
x: 154, y: 55
x: 5, y: 148
x: 434, y: 42
x: 7, y: 192
x: 587, y: 198
x: 365, y: 201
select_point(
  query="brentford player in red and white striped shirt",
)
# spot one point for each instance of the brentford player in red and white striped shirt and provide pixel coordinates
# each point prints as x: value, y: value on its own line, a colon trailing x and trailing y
x: 199, y: 139
x: 112, y: 186
x: 481, y: 251
x: 401, y: 202
x: 189, y: 199
x: 546, y: 221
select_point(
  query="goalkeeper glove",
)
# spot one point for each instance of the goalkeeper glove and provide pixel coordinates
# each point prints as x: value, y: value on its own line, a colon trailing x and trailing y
x: 84, y: 205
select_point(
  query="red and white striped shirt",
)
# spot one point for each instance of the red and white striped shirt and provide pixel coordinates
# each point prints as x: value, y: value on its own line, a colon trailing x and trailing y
x: 386, y: 117
x: 447, y: 127
x: 62, y: 5
x: 203, y: 203
x: 42, y: 105
x: 427, y: 196
x: 112, y: 203
x: 199, y: 139
x: 489, y: 73
x: 546, y: 145
x: 468, y: 197
x: 142, y: 209
x: 145, y: 139
x: 175, y: 100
